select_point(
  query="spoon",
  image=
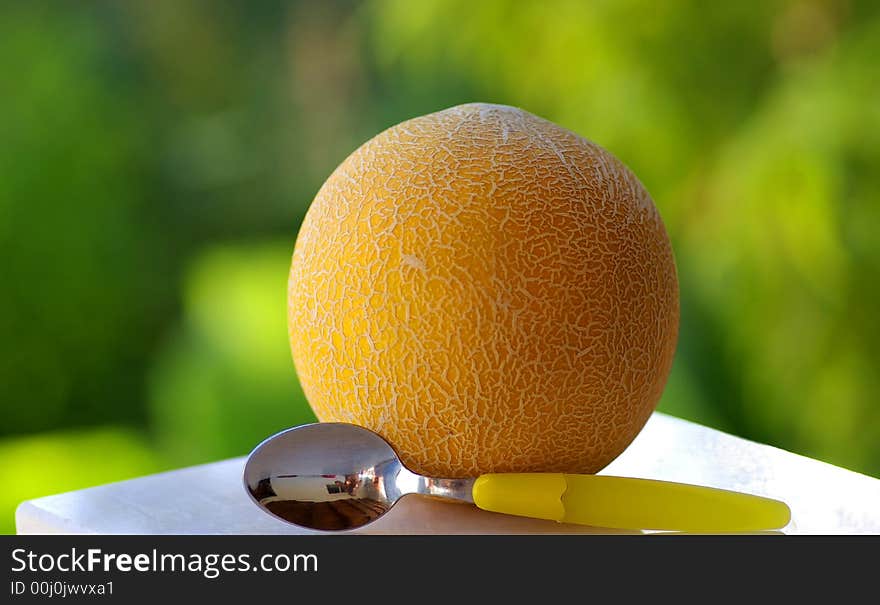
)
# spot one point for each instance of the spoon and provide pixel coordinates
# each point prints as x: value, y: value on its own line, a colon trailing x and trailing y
x: 337, y: 476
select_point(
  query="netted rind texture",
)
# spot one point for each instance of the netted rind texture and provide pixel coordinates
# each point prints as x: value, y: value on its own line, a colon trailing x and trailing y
x: 487, y: 290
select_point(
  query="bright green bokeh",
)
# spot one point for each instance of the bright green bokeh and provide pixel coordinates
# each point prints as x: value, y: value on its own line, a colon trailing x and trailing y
x: 156, y: 159
x: 66, y: 460
x: 226, y: 379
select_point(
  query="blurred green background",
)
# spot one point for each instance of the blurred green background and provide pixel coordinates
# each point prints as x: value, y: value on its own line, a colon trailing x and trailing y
x: 156, y: 159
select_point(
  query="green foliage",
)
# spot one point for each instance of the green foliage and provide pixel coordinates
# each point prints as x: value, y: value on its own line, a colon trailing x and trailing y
x: 226, y: 380
x: 157, y: 157
x: 59, y: 461
x: 792, y: 268
x: 78, y: 269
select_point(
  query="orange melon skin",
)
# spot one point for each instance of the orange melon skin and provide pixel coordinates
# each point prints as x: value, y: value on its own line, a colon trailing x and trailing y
x: 487, y: 290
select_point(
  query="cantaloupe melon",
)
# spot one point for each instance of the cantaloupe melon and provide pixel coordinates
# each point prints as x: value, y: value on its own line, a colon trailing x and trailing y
x: 487, y: 290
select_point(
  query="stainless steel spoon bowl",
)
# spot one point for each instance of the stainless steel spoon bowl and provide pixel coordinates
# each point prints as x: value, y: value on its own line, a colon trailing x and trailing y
x: 335, y: 476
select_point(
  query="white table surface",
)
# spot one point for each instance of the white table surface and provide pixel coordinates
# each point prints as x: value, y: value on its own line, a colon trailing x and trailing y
x: 210, y: 499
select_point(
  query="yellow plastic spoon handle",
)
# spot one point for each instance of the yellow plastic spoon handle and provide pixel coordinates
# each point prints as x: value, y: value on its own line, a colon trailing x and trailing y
x: 627, y: 503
